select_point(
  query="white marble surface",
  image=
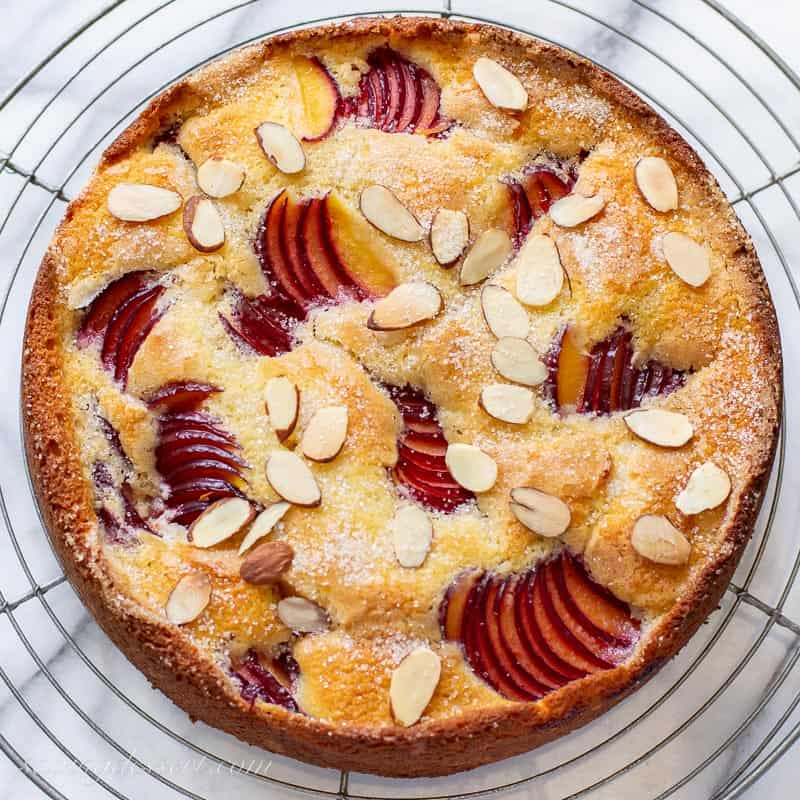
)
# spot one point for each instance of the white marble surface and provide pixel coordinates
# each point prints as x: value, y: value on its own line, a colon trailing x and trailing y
x: 93, y: 740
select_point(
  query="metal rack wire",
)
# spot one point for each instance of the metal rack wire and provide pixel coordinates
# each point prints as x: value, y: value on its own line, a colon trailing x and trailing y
x: 40, y: 167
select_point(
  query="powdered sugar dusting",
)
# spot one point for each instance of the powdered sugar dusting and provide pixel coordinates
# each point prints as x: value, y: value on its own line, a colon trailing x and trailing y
x: 579, y: 103
x: 353, y: 553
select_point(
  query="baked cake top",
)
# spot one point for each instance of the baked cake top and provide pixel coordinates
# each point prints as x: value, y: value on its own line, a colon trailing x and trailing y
x: 468, y: 329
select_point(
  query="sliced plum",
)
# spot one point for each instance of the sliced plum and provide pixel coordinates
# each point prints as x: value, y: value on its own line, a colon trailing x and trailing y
x: 535, y: 190
x: 605, y: 380
x: 120, y: 319
x: 512, y: 671
x: 197, y: 458
x: 106, y: 304
x: 451, y: 611
x: 258, y: 682
x: 303, y: 269
x: 526, y: 634
x: 421, y: 449
x: 180, y: 396
x: 398, y: 96
x: 524, y: 656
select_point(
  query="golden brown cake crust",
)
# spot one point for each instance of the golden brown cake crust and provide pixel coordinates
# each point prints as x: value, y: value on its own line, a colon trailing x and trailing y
x: 169, y: 658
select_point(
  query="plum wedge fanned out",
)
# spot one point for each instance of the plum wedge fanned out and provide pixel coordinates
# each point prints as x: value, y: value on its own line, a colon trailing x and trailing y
x: 271, y: 682
x: 529, y: 633
x: 535, y: 190
x: 265, y: 323
x: 398, y: 96
x: 605, y: 379
x: 199, y: 461
x: 303, y: 268
x: 421, y: 449
x: 120, y: 319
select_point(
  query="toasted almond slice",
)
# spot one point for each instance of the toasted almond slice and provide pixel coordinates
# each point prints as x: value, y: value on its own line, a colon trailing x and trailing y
x: 189, y: 598
x: 655, y: 538
x: 220, y: 521
x: 218, y: 177
x: 507, y: 403
x: 263, y: 524
x: 324, y: 436
x: 203, y: 224
x: 291, y: 478
x: 540, y: 277
x: 412, y: 533
x: 657, y: 426
x: 449, y: 235
x: 488, y: 253
x: 471, y: 467
x: 575, y: 209
x: 413, y: 683
x: 282, y: 400
x: 302, y: 616
x: 657, y: 183
x: 281, y: 147
x: 516, y: 360
x: 382, y: 208
x: 503, y: 314
x: 140, y: 202
x: 708, y: 487
x: 540, y: 512
x: 689, y: 260
x: 266, y: 563
x: 406, y: 305
x: 502, y: 88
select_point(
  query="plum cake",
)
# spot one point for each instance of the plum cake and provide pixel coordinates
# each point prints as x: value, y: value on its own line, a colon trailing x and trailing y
x: 400, y: 394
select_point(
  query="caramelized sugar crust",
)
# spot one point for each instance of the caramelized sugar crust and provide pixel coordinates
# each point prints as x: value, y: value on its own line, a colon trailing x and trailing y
x: 721, y: 337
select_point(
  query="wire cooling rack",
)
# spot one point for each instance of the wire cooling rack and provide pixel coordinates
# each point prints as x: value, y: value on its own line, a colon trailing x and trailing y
x: 78, y: 721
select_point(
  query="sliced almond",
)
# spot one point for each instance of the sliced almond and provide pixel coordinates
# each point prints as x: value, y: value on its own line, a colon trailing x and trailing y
x: 220, y: 521
x: 218, y: 177
x: 412, y: 533
x: 282, y: 400
x: 324, y: 436
x: 502, y: 88
x: 263, y: 524
x: 189, y: 598
x: 413, y: 683
x: 503, y: 314
x: 575, y: 209
x: 203, y: 224
x: 291, y: 478
x: 140, y: 202
x: 516, y: 360
x: 471, y: 467
x: 449, y: 235
x: 657, y: 183
x: 406, y: 305
x: 302, y: 616
x: 266, y: 563
x: 708, y: 487
x: 382, y: 208
x: 281, y: 147
x: 488, y: 253
x: 655, y: 538
x: 540, y: 512
x: 689, y: 260
x: 507, y: 403
x: 664, y: 428
x: 540, y: 277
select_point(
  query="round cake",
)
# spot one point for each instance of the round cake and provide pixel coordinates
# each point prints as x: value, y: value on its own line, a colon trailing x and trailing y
x: 400, y: 394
